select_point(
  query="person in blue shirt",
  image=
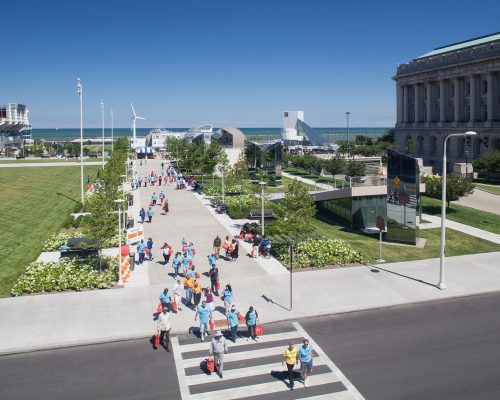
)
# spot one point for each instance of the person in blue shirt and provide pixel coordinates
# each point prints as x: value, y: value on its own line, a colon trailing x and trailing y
x: 165, y: 298
x: 154, y: 198
x: 142, y: 214
x: 227, y: 297
x: 185, y: 263
x: 306, y: 355
x: 232, y: 322
x: 192, y: 271
x: 251, y: 320
x: 141, y: 249
x: 150, y: 214
x: 205, y: 314
x: 191, y: 250
x: 176, y: 262
x: 150, y: 248
x: 212, y: 259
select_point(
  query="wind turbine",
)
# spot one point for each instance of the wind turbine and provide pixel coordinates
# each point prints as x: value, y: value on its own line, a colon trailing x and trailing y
x: 134, y: 118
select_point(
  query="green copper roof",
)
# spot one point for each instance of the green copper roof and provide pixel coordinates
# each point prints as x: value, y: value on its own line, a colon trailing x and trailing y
x: 462, y: 45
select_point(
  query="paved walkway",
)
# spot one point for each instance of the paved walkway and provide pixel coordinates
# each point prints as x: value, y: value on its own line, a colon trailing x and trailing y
x: 481, y: 200
x: 72, y: 318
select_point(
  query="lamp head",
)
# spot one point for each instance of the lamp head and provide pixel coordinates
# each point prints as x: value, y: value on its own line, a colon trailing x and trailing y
x: 470, y: 133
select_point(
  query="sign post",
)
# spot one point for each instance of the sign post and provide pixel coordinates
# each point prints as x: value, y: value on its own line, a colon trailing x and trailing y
x: 381, y: 227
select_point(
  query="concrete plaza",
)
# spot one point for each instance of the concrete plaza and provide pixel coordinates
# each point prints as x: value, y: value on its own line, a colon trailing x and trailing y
x: 67, y: 319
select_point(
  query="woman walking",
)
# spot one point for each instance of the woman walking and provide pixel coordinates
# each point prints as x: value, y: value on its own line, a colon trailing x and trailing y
x: 290, y: 359
x: 176, y: 262
x: 209, y: 298
x: 142, y: 214
x: 167, y: 252
x: 197, y: 293
x: 178, y: 287
x: 227, y: 297
x: 251, y: 320
x: 306, y: 355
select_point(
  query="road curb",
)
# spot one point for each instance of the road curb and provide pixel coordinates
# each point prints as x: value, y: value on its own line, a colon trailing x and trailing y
x: 124, y: 338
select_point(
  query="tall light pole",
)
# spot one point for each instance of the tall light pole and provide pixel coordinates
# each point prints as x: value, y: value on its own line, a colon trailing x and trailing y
x: 348, y: 144
x: 441, y: 284
x: 79, y: 92
x: 112, y: 140
x: 262, y: 184
x: 102, y: 123
x: 222, y: 170
x: 119, y: 202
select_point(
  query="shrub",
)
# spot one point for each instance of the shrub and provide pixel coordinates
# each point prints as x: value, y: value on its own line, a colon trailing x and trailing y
x: 317, y: 253
x: 55, y: 242
x: 67, y: 274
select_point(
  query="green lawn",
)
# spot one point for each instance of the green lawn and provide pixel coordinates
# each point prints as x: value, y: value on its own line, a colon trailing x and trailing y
x: 38, y: 160
x: 489, y: 188
x: 465, y: 215
x: 34, y: 203
x: 457, y: 243
x: 320, y: 179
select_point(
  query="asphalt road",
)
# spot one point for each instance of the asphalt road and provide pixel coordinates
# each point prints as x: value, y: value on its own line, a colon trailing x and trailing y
x: 442, y: 350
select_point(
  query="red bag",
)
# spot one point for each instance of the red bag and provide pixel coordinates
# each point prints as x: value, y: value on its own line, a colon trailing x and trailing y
x: 217, y: 286
x: 222, y: 297
x: 157, y: 340
x: 211, y: 325
x: 252, y: 253
x: 241, y: 317
x: 259, y: 330
x: 159, y: 309
x: 210, y: 364
x: 151, y: 203
x: 198, y: 276
x: 174, y: 305
x: 224, y: 245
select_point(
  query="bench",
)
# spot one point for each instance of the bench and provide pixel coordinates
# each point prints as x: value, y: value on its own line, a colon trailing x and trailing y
x: 257, y: 213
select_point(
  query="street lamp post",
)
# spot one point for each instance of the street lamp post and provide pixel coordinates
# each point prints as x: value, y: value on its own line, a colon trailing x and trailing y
x: 348, y: 144
x: 102, y: 123
x: 222, y: 171
x: 119, y: 202
x: 79, y: 91
x: 262, y: 184
x: 441, y: 284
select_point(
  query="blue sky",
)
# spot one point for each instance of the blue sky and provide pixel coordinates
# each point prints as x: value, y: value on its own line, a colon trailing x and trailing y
x: 231, y: 63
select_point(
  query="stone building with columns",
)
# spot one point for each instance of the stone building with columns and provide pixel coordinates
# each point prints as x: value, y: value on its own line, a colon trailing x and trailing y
x: 452, y: 89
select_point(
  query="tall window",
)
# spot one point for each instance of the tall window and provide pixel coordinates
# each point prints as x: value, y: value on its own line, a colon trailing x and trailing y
x: 485, y: 86
x: 485, y: 112
x: 467, y: 88
x: 420, y: 145
x: 433, y: 145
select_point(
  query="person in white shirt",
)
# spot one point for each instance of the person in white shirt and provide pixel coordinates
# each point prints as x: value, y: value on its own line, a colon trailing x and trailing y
x: 163, y: 327
x: 178, y: 288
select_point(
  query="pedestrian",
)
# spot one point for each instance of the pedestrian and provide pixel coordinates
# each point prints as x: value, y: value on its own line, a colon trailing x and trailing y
x: 162, y: 164
x: 306, y: 355
x: 217, y: 243
x: 251, y: 321
x: 225, y: 246
x: 211, y: 260
x: 209, y: 299
x: 176, y: 262
x: 154, y: 198
x: 290, y: 359
x: 161, y: 196
x: 185, y: 263
x: 166, y: 250
x: 142, y: 215
x: 191, y: 250
x: 197, y: 293
x: 192, y: 271
x: 150, y: 248
x: 165, y: 206
x: 159, y: 180
x: 163, y: 327
x: 165, y: 298
x: 232, y: 322
x: 256, y: 244
x: 205, y: 315
x: 218, y: 347
x: 188, y: 287
x: 213, y: 273
x: 150, y: 214
x: 227, y: 297
x: 178, y: 293
x: 141, y: 250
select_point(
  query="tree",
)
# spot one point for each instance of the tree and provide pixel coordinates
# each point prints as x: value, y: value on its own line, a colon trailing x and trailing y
x: 335, y: 165
x: 355, y: 168
x: 456, y: 186
x: 295, y: 213
x: 488, y: 163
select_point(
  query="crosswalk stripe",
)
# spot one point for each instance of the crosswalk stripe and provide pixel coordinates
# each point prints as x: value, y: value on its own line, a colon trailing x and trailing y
x: 181, y: 376
x: 344, y: 395
x: 350, y: 387
x: 242, y: 372
x: 242, y: 342
x: 241, y: 355
x: 262, y: 388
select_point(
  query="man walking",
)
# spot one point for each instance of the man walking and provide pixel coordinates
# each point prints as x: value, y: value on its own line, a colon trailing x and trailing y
x: 218, y: 347
x: 213, y: 273
x: 232, y: 322
x: 150, y: 214
x: 251, y: 320
x: 256, y: 245
x: 217, y: 243
x: 205, y: 314
x: 188, y: 287
x: 163, y: 327
x: 150, y: 248
x: 141, y: 249
x: 306, y: 355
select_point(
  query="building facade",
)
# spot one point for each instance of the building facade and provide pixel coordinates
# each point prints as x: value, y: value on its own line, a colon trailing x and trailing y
x: 452, y: 89
x: 15, y: 128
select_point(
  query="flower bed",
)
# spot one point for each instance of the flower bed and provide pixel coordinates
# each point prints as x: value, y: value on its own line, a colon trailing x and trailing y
x: 317, y: 253
x: 55, y: 242
x: 67, y: 274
